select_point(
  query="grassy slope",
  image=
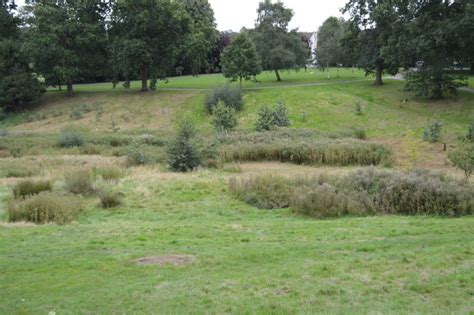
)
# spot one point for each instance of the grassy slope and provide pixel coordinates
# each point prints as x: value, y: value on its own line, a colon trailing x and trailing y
x: 248, y: 260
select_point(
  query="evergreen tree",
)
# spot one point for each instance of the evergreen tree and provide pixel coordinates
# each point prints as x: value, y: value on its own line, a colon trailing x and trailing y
x: 183, y: 155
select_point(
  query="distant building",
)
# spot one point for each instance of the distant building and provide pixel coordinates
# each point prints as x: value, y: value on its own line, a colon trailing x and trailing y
x: 311, y: 39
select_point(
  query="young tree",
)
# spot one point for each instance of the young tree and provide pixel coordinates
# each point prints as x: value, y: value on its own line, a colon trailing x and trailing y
x: 463, y: 158
x: 240, y: 60
x: 183, y: 155
x: 146, y: 38
x: 278, y: 48
x: 67, y: 40
x: 18, y: 83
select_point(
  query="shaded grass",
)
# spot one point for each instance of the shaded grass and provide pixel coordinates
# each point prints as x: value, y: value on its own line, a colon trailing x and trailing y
x: 248, y: 260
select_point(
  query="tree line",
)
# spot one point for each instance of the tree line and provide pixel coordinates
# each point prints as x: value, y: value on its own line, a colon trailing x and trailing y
x: 430, y: 38
x: 62, y: 42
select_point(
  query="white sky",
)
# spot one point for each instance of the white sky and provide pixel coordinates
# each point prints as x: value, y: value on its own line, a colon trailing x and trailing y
x: 235, y: 14
x: 309, y: 14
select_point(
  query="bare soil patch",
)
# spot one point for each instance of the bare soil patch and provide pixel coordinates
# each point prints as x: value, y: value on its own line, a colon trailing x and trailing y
x: 175, y: 260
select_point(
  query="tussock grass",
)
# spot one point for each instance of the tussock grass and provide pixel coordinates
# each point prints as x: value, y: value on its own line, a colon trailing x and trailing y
x: 26, y: 188
x: 79, y: 182
x: 44, y: 207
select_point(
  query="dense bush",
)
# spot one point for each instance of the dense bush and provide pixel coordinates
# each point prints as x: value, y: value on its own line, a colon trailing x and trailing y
x: 29, y: 187
x: 224, y: 118
x: 365, y: 192
x: 433, y: 132
x: 79, y: 182
x: 231, y: 96
x: 136, y: 155
x: 183, y: 155
x: 45, y: 207
x: 110, y: 198
x: 69, y: 138
x: 280, y: 114
x: 265, y: 119
x: 326, y: 152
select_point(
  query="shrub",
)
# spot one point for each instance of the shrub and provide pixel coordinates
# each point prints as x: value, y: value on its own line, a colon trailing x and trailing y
x: 358, y: 109
x: 280, y: 114
x: 365, y: 192
x: 463, y: 158
x: 110, y: 199
x: 183, y: 155
x: 231, y: 97
x: 28, y: 187
x: 137, y: 156
x: 111, y: 174
x: 79, y: 182
x: 69, y: 138
x: 265, y: 119
x: 433, y: 132
x: 224, y: 118
x: 45, y: 207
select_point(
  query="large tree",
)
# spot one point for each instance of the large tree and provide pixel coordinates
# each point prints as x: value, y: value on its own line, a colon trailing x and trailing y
x: 67, y: 40
x: 198, y: 44
x: 278, y: 47
x: 375, y: 23
x: 147, y: 37
x: 18, y: 83
x: 240, y: 60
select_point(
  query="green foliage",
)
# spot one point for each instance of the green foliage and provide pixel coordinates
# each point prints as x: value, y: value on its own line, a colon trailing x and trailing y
x: 229, y: 95
x: 433, y: 132
x: 240, y: 60
x: 45, y: 207
x: 225, y: 118
x: 265, y: 119
x: 26, y: 188
x: 110, y: 198
x: 434, y: 83
x: 147, y: 44
x: 322, y: 152
x: 70, y: 137
x: 330, y: 50
x: 463, y: 157
x: 18, y: 83
x: 278, y: 48
x: 183, y: 155
x: 365, y: 192
x: 280, y: 114
x: 79, y: 182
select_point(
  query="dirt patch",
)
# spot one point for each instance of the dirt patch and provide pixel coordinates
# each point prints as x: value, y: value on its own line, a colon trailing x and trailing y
x: 175, y: 260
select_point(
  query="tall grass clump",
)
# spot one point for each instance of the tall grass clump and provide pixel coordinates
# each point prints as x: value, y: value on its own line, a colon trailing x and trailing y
x: 326, y: 152
x: 365, y: 192
x: 230, y: 96
x: 79, y: 182
x: 45, y: 207
x: 110, y: 198
x: 29, y: 187
x: 110, y: 174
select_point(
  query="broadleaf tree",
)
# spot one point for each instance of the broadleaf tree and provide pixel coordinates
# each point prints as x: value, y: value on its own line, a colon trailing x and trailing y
x: 146, y: 39
x: 279, y: 48
x: 18, y: 83
x: 240, y: 60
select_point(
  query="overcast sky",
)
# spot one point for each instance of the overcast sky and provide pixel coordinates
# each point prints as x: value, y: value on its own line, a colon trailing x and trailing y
x: 309, y: 14
x: 235, y: 14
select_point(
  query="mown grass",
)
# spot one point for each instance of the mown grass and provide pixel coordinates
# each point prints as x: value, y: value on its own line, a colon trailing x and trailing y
x: 248, y: 260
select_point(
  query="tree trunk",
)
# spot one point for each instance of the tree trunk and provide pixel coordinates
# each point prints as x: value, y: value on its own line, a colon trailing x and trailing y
x: 328, y: 75
x: 240, y: 82
x: 378, y: 75
x: 69, y: 89
x: 472, y: 68
x: 144, y: 77
x: 60, y: 87
x: 277, y: 75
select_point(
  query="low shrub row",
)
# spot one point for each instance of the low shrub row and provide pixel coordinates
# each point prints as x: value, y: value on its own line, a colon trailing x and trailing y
x: 366, y: 192
x: 326, y: 152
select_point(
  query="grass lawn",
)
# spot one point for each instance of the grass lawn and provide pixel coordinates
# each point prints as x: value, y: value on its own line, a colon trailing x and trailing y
x: 248, y: 260
x: 244, y: 260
